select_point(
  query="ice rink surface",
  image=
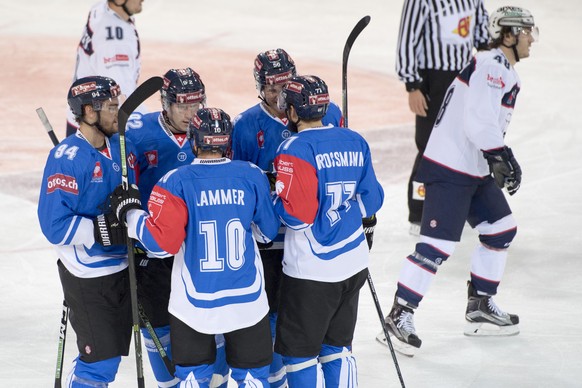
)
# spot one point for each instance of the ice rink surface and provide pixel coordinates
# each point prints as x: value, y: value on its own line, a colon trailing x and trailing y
x: 220, y: 39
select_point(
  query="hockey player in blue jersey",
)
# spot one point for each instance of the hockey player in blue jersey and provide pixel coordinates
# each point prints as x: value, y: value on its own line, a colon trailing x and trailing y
x: 257, y: 133
x: 325, y: 186
x: 465, y: 148
x: 160, y: 139
x: 90, y: 243
x: 210, y: 216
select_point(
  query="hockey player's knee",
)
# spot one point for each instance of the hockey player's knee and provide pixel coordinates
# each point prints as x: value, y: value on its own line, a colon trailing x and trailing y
x: 431, y: 252
x: 303, y: 372
x: 221, y: 368
x: 251, y: 377
x: 498, y: 235
x: 94, y: 374
x: 194, y: 376
x: 339, y: 366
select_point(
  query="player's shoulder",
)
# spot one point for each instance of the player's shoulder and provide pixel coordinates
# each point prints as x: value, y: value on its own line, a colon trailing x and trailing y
x: 141, y: 127
x: 248, y: 116
x: 492, y: 59
x: 100, y: 13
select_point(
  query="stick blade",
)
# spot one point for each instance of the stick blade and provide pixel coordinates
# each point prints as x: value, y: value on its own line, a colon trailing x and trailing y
x: 358, y: 28
x: 147, y: 89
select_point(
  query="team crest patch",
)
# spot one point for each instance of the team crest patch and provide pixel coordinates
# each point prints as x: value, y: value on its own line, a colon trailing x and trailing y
x: 97, y: 173
x: 261, y: 139
x: 152, y: 158
x: 131, y: 160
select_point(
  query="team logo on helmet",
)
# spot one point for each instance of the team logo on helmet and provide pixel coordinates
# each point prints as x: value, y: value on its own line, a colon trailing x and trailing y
x: 294, y: 86
x: 190, y: 98
x: 214, y: 113
x: 83, y: 88
x: 216, y: 140
x: 196, y: 122
x: 319, y: 99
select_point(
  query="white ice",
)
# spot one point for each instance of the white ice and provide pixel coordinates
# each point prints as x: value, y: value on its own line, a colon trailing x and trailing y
x: 542, y: 282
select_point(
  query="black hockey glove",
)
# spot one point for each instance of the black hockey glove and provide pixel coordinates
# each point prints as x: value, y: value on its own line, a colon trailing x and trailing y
x: 264, y: 245
x: 272, y: 180
x: 109, y: 231
x: 505, y: 169
x: 369, y: 225
x: 124, y: 200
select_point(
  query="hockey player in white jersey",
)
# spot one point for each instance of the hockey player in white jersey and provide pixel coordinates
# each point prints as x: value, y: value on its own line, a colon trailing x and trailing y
x: 465, y: 167
x: 325, y: 185
x: 210, y: 215
x: 109, y: 47
x: 90, y: 243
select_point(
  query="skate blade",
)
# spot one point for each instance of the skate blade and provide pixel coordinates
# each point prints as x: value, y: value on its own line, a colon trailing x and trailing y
x: 484, y: 329
x: 401, y: 347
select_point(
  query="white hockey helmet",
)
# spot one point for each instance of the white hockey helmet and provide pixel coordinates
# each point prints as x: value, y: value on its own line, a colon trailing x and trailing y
x: 516, y: 18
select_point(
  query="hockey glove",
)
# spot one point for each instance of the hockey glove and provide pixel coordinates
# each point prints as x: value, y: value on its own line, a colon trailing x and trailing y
x: 109, y: 231
x: 124, y: 200
x: 263, y: 246
x: 505, y: 169
x: 272, y: 180
x: 369, y: 224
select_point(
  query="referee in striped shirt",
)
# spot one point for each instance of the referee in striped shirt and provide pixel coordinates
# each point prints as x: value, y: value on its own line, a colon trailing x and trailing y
x: 435, y: 41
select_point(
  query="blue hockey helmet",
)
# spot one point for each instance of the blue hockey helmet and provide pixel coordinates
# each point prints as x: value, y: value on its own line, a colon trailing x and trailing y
x: 308, y: 94
x: 182, y: 86
x: 210, y: 129
x: 273, y: 67
x: 92, y: 91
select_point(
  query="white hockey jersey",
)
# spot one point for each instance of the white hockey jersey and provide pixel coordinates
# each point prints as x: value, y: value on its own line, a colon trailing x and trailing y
x: 109, y: 47
x: 474, y: 116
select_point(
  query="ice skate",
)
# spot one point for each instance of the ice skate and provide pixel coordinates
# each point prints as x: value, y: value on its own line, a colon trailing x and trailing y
x: 400, y: 324
x: 485, y: 318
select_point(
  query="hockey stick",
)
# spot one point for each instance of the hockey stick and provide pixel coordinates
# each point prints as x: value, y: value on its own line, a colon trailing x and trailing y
x: 358, y: 28
x: 161, y: 351
x: 65, y: 316
x: 61, y: 348
x: 142, y: 93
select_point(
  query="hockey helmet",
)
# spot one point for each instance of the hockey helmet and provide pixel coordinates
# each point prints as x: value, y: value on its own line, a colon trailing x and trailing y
x: 273, y: 67
x: 515, y: 18
x: 182, y: 86
x: 91, y: 91
x: 308, y: 94
x: 210, y: 129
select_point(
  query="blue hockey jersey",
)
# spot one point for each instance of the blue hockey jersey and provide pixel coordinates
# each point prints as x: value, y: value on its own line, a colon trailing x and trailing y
x: 206, y: 215
x: 257, y: 134
x: 325, y: 185
x: 158, y: 150
x: 76, y: 183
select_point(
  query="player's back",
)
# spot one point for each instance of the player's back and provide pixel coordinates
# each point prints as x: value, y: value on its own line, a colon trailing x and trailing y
x: 220, y: 265
x: 476, y: 111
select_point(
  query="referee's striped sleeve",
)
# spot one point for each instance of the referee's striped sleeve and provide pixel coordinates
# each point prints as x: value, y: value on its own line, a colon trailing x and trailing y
x: 412, y: 21
x: 481, y: 36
